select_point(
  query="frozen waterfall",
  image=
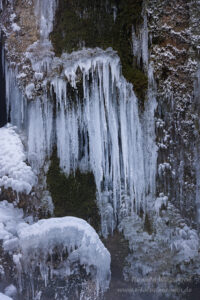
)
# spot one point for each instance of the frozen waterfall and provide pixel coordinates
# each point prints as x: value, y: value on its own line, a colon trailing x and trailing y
x: 91, y: 113
x: 86, y: 108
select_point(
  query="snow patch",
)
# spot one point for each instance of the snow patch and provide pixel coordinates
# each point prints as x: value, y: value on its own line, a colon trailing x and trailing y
x: 10, y: 217
x: 15, y: 27
x: 29, y: 90
x: 14, y: 172
x: 10, y: 290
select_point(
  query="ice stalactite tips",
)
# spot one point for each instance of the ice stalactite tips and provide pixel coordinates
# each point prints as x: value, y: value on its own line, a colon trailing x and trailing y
x: 3, y: 115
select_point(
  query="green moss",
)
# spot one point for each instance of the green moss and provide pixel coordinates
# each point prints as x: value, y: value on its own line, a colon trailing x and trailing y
x: 138, y: 79
x: 74, y: 195
x: 91, y: 24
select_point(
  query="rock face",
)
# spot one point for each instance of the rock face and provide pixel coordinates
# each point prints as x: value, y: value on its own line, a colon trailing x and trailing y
x: 20, y: 29
x: 3, y: 117
x: 174, y: 50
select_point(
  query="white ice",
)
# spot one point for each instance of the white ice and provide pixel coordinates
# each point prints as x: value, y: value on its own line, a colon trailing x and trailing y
x: 15, y: 27
x: 140, y: 42
x: 14, y: 171
x: 33, y: 245
x: 102, y: 132
x: 37, y: 243
x: 10, y: 290
x: 171, y: 252
x: 4, y: 297
x: 45, y: 11
x: 160, y: 202
x: 10, y: 218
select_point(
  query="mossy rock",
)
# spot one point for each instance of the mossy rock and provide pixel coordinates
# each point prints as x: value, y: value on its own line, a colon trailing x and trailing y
x: 74, y: 195
x: 86, y: 23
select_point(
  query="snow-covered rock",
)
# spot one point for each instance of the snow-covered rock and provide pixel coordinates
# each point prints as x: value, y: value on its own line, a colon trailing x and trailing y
x: 71, y: 239
x: 40, y: 241
x: 15, y: 27
x: 14, y: 172
x: 10, y: 217
x: 161, y: 202
x: 166, y: 257
x: 4, y: 297
x: 10, y: 290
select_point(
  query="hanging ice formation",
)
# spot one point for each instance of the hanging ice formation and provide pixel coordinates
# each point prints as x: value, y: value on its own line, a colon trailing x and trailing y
x: 89, y: 110
x: 140, y: 43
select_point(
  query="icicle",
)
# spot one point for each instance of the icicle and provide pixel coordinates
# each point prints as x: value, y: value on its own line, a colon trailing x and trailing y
x: 40, y: 119
x: 140, y: 42
x: 45, y: 9
x: 145, y: 52
x: 150, y: 148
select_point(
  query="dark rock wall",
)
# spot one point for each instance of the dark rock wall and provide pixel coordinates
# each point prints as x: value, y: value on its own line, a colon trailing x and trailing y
x: 174, y: 51
x: 3, y: 114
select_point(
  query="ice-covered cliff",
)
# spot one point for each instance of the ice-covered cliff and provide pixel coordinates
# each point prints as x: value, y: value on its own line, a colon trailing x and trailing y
x: 89, y: 111
x: 119, y: 104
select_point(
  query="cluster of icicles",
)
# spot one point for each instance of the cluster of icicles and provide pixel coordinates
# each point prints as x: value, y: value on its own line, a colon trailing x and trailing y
x: 96, y: 127
x: 90, y: 113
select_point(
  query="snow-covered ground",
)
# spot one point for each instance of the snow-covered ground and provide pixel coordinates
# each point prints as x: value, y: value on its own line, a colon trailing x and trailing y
x: 14, y: 172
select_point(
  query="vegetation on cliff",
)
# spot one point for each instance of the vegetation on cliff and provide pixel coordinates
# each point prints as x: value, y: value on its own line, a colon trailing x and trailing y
x: 74, y: 195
